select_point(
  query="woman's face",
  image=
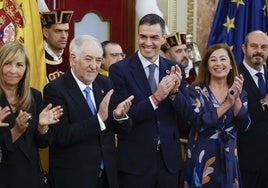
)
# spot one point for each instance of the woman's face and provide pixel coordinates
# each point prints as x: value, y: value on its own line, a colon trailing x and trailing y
x: 14, y: 70
x: 219, y: 64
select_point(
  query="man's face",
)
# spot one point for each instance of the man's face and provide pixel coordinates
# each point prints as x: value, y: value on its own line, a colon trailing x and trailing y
x: 113, y: 54
x: 56, y: 36
x: 87, y: 65
x: 150, y: 40
x: 178, y: 54
x: 256, y: 51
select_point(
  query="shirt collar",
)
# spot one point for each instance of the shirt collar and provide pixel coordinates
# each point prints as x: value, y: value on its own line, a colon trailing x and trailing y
x: 145, y: 62
x: 51, y: 53
x: 81, y: 85
x: 251, y: 70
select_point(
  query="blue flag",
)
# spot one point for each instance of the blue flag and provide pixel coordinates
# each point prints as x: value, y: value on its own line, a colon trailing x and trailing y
x: 234, y: 19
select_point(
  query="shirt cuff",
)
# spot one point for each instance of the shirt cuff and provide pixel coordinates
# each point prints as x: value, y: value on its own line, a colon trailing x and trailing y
x: 102, y: 124
x: 121, y: 119
x: 152, y: 102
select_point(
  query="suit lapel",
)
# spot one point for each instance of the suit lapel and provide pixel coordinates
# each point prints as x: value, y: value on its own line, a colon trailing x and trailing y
x: 99, y: 93
x: 139, y: 76
x: 75, y: 93
x: 164, y: 68
x: 266, y: 78
x: 249, y: 80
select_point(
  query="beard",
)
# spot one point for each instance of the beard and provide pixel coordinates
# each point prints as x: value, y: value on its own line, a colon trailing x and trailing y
x: 256, y: 63
x: 256, y: 59
x: 185, y: 62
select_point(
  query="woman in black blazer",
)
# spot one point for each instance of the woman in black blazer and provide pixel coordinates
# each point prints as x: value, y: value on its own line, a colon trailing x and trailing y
x: 23, y: 123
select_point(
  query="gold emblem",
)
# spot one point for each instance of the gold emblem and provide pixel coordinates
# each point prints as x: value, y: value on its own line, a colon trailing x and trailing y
x: 54, y: 75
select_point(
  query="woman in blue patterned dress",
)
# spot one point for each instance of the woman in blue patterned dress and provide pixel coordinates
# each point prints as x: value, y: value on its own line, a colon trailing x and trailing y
x: 220, y: 107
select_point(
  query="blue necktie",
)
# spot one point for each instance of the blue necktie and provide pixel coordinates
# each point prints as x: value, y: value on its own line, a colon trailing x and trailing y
x: 261, y: 84
x: 89, y: 100
x: 151, y: 78
x: 93, y: 110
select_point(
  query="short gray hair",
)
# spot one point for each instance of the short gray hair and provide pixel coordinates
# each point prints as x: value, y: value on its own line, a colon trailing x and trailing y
x: 77, y: 43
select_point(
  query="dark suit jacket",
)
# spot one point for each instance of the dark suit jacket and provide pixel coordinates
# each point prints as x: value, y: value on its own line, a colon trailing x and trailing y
x: 79, y: 145
x: 137, y: 149
x: 19, y: 166
x: 252, y: 150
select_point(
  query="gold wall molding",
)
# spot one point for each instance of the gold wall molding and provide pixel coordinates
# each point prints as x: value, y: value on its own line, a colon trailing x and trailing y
x: 190, y: 17
x: 181, y: 15
x: 172, y: 16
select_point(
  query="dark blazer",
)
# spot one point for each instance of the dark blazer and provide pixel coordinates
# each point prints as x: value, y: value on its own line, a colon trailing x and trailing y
x: 79, y: 145
x: 19, y: 166
x: 137, y: 149
x: 252, y: 151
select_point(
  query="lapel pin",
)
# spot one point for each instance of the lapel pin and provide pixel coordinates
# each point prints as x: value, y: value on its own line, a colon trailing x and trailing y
x: 102, y: 91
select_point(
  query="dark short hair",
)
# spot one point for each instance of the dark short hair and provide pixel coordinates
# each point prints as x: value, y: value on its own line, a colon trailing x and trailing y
x: 152, y: 19
x: 105, y: 43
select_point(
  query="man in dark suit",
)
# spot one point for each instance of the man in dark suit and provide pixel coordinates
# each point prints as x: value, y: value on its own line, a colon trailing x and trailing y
x: 83, y: 152
x: 252, y: 149
x: 149, y: 154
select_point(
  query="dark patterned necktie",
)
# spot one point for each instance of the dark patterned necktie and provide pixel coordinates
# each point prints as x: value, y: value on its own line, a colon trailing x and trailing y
x: 261, y: 84
x: 151, y: 78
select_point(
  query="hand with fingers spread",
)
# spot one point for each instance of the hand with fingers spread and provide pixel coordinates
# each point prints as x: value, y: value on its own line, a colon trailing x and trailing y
x: 122, y: 108
x: 49, y: 116
x: 4, y: 112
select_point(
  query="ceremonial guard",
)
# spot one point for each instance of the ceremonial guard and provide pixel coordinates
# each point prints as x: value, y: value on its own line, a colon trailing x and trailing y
x: 55, y: 31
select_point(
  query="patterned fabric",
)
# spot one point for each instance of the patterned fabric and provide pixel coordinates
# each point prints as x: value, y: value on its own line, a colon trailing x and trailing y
x: 211, y: 159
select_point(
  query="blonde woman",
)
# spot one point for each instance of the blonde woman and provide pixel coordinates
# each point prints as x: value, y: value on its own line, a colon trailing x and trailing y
x: 24, y: 125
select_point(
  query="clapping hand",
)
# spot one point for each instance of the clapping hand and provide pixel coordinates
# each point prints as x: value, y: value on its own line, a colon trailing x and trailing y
x: 21, y: 122
x: 175, y: 71
x: 169, y: 84
x: 49, y: 116
x: 236, y: 88
x: 21, y: 125
x: 103, y: 108
x: 4, y: 112
x: 122, y: 108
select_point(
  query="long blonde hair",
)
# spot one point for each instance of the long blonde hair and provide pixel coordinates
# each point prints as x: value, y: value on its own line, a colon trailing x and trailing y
x: 9, y: 52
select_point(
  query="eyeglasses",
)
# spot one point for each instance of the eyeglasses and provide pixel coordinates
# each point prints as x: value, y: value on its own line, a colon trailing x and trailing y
x: 123, y: 55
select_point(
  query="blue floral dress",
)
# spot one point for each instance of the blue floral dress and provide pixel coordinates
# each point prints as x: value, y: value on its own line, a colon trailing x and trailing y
x: 211, y: 158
